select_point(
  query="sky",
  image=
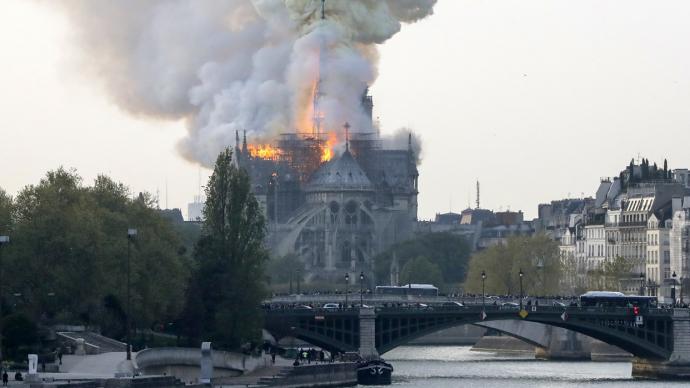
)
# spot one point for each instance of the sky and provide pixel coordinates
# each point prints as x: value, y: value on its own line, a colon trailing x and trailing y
x: 536, y: 99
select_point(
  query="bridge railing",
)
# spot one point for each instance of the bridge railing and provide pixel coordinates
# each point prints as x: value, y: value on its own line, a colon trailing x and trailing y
x: 532, y: 309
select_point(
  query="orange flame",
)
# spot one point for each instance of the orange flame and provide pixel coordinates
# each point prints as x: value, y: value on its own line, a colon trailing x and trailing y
x: 327, y: 151
x: 263, y: 151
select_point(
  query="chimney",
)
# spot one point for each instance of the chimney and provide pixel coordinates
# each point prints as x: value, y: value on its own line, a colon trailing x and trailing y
x: 676, y: 204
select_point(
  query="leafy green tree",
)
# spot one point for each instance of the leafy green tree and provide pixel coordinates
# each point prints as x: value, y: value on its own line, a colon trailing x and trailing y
x: 449, y: 252
x: 228, y: 286
x: 537, y: 256
x: 421, y: 270
x: 69, y: 249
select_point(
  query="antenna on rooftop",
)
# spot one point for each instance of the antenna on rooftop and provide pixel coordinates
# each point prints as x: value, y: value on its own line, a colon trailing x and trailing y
x: 477, y: 193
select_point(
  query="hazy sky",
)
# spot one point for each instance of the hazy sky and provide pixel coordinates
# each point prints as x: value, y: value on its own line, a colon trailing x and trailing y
x: 537, y: 99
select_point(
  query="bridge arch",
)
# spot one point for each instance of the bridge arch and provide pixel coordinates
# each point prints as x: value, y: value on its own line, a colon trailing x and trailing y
x: 395, y: 327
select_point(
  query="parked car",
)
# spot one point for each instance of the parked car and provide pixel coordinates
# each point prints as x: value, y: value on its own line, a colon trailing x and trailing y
x: 331, y: 306
x: 510, y: 305
x: 452, y: 305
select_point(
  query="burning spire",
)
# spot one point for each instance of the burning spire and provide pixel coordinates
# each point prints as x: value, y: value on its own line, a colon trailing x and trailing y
x: 317, y: 114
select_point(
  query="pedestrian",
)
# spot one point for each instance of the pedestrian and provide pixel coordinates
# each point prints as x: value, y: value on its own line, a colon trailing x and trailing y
x: 5, y: 378
x: 60, y: 355
x: 273, y: 356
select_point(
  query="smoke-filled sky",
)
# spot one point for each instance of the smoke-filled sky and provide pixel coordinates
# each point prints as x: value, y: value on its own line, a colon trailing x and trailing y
x: 537, y: 99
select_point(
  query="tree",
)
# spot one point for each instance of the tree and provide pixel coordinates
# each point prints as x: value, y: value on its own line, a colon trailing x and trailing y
x: 228, y: 286
x: 610, y: 273
x: 421, y: 270
x: 666, y: 169
x: 5, y: 212
x: 537, y: 256
x: 449, y: 252
x: 68, y: 254
x: 19, y: 333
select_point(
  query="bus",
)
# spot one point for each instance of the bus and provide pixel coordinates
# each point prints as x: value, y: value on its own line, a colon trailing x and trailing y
x: 408, y: 289
x: 616, y: 299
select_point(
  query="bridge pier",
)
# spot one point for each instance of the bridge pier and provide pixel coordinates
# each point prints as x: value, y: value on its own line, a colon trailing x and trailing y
x: 563, y: 345
x: 367, y: 334
x: 678, y: 364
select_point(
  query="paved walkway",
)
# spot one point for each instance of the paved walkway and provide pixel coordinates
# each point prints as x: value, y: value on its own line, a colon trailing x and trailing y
x: 97, y: 366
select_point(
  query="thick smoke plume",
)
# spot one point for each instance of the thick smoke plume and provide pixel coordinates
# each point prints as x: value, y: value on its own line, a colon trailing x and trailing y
x: 227, y: 65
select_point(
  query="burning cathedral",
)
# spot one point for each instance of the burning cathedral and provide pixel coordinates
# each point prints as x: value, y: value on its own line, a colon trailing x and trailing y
x: 334, y: 199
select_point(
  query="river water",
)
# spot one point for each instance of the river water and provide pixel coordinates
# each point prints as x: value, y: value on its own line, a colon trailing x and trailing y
x: 457, y: 366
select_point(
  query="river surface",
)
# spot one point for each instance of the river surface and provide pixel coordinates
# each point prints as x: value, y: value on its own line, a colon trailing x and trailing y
x: 457, y: 366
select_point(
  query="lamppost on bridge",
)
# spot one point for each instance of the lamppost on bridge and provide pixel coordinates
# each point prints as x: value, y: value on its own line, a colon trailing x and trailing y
x: 483, y: 293
x: 642, y: 283
x: 347, y: 287
x: 681, y: 291
x: 673, y: 290
x: 361, y: 289
x: 131, y: 234
x: 3, y: 240
x: 521, y: 275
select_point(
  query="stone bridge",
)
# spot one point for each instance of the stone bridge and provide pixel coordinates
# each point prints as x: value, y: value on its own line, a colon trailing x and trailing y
x: 660, y: 342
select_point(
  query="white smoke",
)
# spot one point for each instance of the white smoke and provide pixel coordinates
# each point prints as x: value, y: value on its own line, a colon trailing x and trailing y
x: 227, y: 65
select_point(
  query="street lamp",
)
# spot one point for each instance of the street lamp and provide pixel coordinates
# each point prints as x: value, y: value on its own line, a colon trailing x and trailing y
x: 347, y: 286
x: 521, y: 275
x: 682, y: 279
x: 483, y: 293
x: 673, y: 290
x: 540, y: 266
x: 361, y: 289
x: 642, y: 283
x: 3, y: 240
x: 131, y: 234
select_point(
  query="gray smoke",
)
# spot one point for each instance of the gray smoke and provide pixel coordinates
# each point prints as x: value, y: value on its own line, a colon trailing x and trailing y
x: 227, y: 65
x: 400, y: 139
